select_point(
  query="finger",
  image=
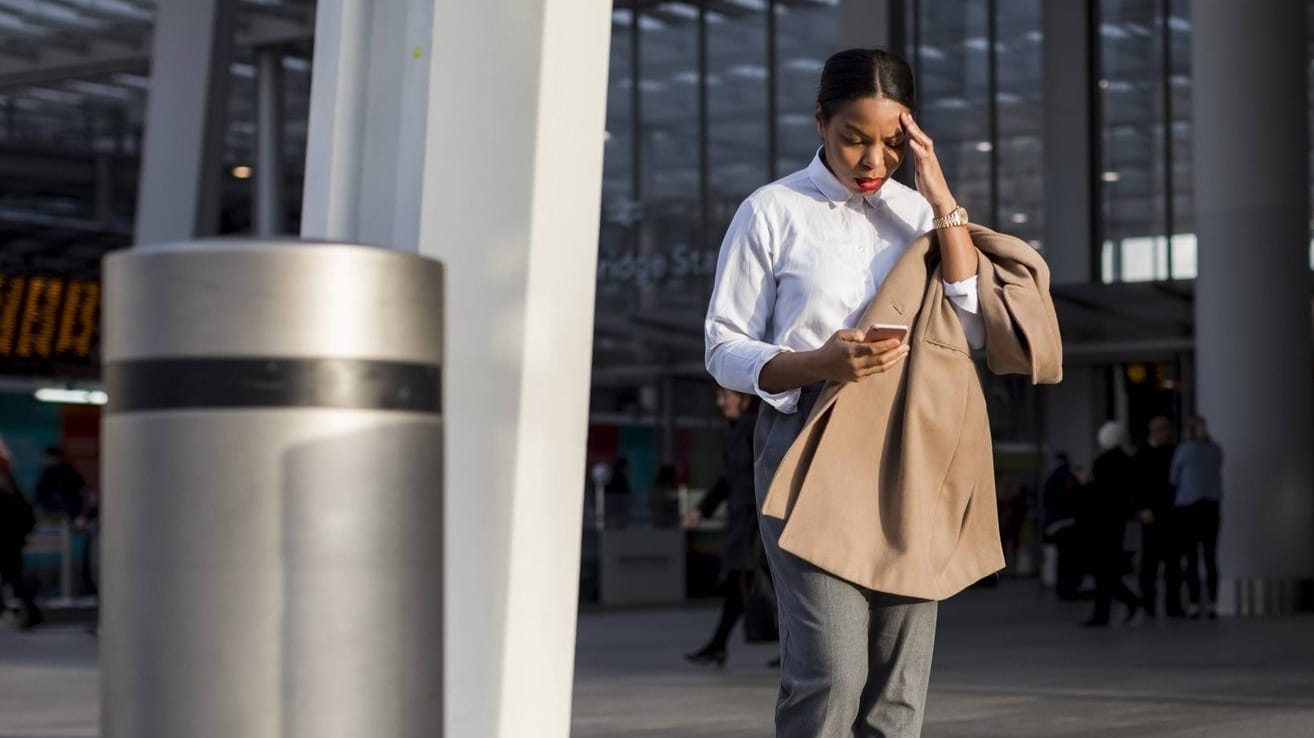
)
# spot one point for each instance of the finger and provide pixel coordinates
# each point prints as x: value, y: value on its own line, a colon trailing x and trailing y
x: 915, y: 131
x: 849, y: 334
x: 885, y: 344
x: 883, y: 366
x: 863, y: 351
x: 893, y: 355
x: 875, y: 361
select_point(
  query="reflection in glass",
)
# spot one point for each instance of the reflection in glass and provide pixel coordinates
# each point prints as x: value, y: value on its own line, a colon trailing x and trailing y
x: 953, y: 87
x: 1019, y: 131
x: 737, y: 82
x: 1133, y: 177
x: 806, y: 34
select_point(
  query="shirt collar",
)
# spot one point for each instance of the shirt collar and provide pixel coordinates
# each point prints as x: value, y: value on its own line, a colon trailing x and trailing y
x: 832, y: 189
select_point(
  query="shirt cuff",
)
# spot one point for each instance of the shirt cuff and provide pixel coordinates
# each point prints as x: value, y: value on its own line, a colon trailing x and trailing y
x: 964, y: 294
x: 785, y: 402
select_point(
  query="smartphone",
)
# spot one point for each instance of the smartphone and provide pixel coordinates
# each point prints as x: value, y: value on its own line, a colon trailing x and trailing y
x: 884, y: 332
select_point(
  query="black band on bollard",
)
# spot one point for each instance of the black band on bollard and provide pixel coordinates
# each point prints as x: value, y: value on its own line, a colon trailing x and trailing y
x: 213, y: 383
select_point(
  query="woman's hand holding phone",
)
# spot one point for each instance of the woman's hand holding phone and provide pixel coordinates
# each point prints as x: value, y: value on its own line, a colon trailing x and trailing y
x: 848, y: 357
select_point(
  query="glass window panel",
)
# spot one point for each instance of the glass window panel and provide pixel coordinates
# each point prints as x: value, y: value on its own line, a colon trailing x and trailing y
x: 1184, y: 265
x: 672, y: 273
x: 1131, y: 96
x: 807, y: 32
x: 737, y: 82
x: 955, y: 96
x: 1310, y: 101
x: 1019, y: 130
x: 1183, y: 142
x: 617, y: 236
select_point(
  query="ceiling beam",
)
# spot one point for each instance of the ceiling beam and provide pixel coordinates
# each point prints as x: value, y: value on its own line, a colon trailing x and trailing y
x: 99, y: 57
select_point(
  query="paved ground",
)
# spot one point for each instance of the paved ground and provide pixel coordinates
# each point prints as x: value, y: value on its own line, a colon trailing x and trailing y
x: 1007, y: 664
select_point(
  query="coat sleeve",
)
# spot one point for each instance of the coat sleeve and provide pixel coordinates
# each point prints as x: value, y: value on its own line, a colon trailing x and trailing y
x: 1021, y: 327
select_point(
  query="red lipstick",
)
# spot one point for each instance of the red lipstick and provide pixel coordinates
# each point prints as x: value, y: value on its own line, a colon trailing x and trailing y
x: 870, y: 184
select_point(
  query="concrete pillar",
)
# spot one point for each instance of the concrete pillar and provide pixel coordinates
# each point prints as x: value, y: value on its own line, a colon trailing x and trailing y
x: 1073, y: 412
x: 490, y: 161
x: 513, y: 186
x: 368, y: 105
x: 1069, y: 178
x: 182, y: 153
x: 1252, y: 299
x: 269, y: 176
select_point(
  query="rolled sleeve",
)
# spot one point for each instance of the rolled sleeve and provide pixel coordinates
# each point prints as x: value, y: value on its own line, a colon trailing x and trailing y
x: 967, y: 303
x: 743, y: 299
x: 784, y: 402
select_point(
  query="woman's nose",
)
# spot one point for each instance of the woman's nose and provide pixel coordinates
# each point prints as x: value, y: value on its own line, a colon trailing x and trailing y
x: 872, y: 156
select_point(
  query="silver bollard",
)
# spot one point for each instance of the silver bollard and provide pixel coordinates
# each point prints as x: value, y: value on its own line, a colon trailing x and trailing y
x: 272, y: 519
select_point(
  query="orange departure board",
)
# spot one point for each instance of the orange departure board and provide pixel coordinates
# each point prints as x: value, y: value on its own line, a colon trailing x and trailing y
x: 46, y: 318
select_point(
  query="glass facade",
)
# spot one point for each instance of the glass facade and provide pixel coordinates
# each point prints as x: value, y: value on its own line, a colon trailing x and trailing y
x: 1145, y: 140
x: 978, y: 73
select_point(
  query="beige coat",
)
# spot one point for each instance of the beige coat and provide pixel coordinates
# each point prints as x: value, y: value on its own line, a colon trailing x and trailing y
x: 890, y: 484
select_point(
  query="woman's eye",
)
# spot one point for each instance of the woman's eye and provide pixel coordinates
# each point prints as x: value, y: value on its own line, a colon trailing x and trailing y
x: 853, y: 141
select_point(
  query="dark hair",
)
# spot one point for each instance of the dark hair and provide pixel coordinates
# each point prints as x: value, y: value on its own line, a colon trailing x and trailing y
x: 854, y: 73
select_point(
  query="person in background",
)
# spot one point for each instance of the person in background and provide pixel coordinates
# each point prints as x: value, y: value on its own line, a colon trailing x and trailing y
x: 1103, y: 520
x: 1197, y: 473
x: 16, y: 523
x: 61, y: 490
x: 735, y: 489
x: 617, y: 494
x: 1160, y: 537
x: 1060, y: 495
x: 664, y: 499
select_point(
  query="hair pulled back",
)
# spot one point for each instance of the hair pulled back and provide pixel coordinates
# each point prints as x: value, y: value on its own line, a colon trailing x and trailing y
x: 856, y: 73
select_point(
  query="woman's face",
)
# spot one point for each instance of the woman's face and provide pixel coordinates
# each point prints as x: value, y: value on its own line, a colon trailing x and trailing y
x: 864, y: 142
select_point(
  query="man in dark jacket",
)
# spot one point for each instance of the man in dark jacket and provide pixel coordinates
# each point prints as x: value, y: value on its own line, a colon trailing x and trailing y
x: 1059, y: 510
x: 735, y: 489
x: 1159, y: 534
x: 61, y: 490
x: 1103, y: 520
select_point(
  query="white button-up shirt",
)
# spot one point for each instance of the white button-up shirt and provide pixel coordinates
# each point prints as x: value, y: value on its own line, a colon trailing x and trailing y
x: 802, y: 259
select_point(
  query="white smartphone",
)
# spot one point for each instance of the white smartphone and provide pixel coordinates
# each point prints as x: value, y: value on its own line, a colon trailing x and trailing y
x: 884, y: 332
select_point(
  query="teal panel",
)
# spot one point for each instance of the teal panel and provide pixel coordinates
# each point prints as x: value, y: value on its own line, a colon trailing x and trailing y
x: 28, y: 427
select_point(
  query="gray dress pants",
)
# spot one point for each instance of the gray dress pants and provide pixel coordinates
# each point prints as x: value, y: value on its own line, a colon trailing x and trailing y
x: 853, y: 662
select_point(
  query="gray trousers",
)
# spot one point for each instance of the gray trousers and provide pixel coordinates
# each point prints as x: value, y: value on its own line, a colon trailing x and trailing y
x: 853, y: 662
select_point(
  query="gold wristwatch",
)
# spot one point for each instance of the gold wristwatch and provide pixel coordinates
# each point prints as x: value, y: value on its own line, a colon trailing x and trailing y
x: 956, y: 217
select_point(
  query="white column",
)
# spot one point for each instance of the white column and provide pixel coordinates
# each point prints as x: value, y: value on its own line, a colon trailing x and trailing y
x: 269, y: 201
x: 1252, y: 298
x: 475, y: 131
x: 513, y: 173
x: 368, y: 103
x: 182, y: 153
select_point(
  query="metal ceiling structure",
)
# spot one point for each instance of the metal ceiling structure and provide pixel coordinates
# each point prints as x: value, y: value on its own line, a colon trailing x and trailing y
x: 74, y: 76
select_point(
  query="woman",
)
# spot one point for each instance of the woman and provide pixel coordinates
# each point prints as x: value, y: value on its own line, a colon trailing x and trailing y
x: 1197, y: 473
x: 735, y: 489
x: 872, y: 457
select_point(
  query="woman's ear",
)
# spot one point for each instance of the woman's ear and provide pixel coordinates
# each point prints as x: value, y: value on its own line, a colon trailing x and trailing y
x: 821, y: 123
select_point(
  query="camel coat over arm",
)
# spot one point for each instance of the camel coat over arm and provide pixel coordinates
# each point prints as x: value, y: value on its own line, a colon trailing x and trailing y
x: 890, y: 484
